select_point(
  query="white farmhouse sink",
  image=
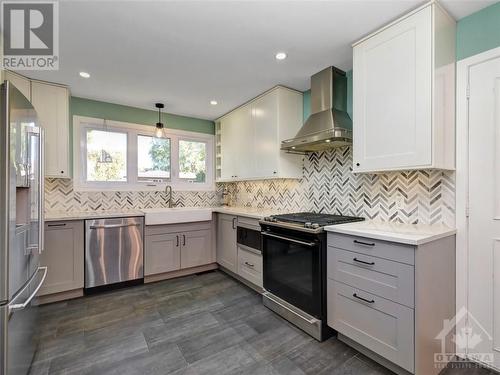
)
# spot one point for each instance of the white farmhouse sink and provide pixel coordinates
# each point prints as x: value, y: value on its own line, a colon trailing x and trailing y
x: 176, y: 215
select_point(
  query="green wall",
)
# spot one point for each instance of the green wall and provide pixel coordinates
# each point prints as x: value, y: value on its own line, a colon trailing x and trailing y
x: 478, y: 32
x: 117, y: 112
x: 307, y: 98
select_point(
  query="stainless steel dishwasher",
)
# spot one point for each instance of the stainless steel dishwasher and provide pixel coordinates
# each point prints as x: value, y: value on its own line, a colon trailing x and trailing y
x: 114, y: 252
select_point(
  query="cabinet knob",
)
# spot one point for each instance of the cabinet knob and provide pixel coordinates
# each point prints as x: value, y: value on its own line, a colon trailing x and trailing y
x: 275, y: 172
x: 62, y: 172
x: 357, y: 164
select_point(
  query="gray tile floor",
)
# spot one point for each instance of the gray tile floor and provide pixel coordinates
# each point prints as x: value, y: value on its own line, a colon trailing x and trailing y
x: 202, y: 324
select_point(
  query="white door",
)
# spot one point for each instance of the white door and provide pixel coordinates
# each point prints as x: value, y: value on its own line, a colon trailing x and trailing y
x: 484, y: 207
x: 392, y: 96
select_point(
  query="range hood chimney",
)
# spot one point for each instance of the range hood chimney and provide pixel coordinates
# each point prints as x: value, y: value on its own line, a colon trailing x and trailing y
x: 329, y: 125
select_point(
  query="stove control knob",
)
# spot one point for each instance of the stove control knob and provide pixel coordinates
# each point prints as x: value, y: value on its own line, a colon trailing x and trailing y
x: 307, y: 225
x: 315, y: 226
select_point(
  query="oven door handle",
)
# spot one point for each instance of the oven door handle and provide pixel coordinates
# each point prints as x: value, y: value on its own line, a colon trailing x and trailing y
x: 310, y: 244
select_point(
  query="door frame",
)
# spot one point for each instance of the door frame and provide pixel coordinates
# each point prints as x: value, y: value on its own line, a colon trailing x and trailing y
x: 462, y: 176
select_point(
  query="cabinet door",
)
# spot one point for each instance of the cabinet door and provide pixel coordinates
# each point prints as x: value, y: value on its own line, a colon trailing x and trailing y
x: 228, y: 159
x: 226, y: 242
x: 63, y: 256
x: 51, y: 104
x: 162, y: 253
x: 22, y: 84
x: 392, y: 97
x: 266, y: 145
x: 196, y: 248
x: 237, y: 142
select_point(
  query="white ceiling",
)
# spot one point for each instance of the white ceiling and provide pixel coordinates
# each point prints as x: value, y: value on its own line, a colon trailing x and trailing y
x: 186, y: 53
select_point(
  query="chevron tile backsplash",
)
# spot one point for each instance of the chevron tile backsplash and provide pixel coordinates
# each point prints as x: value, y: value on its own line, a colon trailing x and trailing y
x: 329, y: 186
x: 60, y: 196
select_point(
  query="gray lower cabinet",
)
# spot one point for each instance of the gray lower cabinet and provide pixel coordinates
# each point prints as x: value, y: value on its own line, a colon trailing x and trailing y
x: 162, y: 254
x: 195, y: 250
x: 390, y: 300
x: 227, y: 250
x: 250, y: 266
x: 178, y: 246
x: 63, y: 256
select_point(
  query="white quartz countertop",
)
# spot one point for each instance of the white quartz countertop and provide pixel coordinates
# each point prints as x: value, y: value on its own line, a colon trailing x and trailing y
x: 410, y: 234
x: 254, y: 213
x: 81, y: 215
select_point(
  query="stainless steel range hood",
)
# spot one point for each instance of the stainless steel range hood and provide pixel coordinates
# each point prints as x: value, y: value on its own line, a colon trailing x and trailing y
x: 329, y: 125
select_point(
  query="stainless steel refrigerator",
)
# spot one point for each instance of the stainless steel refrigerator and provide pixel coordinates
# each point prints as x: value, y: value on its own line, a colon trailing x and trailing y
x: 21, y: 229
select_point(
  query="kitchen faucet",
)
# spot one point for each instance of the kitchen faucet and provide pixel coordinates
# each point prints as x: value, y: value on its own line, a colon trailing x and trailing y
x: 168, y: 191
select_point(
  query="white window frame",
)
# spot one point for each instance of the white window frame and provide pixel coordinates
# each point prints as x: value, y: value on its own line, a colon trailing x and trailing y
x: 81, y: 124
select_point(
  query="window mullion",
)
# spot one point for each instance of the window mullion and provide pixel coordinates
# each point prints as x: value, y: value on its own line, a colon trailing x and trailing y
x: 132, y: 158
x: 175, y: 161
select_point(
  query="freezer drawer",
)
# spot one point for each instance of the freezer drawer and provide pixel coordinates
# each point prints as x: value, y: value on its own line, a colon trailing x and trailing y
x: 19, y: 322
x: 113, y: 251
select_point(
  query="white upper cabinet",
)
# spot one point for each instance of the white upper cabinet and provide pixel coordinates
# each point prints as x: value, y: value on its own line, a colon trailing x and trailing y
x: 250, y: 137
x: 51, y: 103
x: 404, y: 93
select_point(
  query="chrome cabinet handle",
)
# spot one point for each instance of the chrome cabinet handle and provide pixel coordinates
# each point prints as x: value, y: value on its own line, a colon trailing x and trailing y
x: 183, y: 240
x: 234, y: 223
x: 363, y: 299
x: 250, y: 264
x: 364, y: 243
x: 114, y: 226
x: 20, y: 306
x: 177, y: 238
x: 310, y: 244
x: 363, y: 262
x: 57, y: 225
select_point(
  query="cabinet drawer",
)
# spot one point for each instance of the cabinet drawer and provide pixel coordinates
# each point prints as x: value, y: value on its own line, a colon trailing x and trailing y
x: 371, y: 247
x: 382, y: 277
x: 250, y: 266
x: 380, y: 325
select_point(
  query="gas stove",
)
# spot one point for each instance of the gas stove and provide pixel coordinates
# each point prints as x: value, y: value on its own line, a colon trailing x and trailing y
x: 308, y: 221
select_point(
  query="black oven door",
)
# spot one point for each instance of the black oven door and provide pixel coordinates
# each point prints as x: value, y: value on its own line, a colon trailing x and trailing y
x: 292, y: 269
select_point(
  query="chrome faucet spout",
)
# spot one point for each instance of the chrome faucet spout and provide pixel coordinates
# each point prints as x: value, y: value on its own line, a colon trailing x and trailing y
x: 168, y: 192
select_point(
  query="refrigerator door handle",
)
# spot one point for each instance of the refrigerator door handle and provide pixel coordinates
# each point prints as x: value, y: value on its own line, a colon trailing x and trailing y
x: 20, y: 306
x: 41, y: 192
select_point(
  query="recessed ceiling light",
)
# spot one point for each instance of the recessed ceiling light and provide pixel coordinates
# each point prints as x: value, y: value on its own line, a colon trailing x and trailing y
x: 213, y: 102
x: 280, y: 56
x: 84, y: 75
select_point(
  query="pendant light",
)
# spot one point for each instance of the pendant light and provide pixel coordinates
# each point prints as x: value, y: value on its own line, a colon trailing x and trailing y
x: 160, y: 127
x: 105, y: 157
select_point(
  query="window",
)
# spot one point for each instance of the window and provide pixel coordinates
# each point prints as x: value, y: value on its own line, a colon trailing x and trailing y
x: 153, y: 158
x: 106, y: 155
x: 122, y: 156
x: 192, y: 160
